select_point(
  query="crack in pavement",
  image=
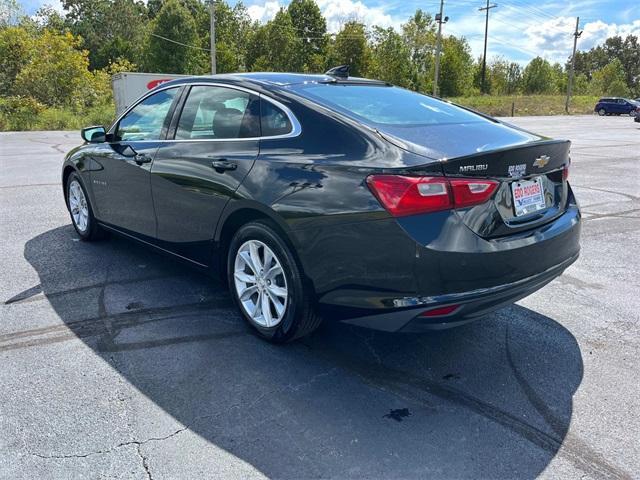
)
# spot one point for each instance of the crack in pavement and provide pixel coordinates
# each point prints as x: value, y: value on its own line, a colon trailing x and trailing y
x: 136, y: 443
x: 145, y: 462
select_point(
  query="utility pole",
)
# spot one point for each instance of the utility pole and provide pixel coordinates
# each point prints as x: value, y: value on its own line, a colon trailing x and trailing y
x: 212, y: 33
x: 440, y: 21
x: 576, y: 35
x: 484, y: 55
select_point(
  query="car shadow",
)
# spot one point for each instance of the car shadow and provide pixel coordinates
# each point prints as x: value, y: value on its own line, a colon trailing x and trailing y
x: 490, y: 399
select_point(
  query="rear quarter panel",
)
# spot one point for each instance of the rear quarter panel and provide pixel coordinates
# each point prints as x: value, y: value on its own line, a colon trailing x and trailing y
x: 315, y: 184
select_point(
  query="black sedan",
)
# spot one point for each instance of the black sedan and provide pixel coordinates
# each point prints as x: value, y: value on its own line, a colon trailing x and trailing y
x: 328, y: 196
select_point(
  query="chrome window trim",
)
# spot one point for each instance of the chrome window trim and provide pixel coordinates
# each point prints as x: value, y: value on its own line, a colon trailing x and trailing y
x: 296, y: 128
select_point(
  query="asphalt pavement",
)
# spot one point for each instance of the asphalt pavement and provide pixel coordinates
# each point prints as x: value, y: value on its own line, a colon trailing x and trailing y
x: 117, y: 362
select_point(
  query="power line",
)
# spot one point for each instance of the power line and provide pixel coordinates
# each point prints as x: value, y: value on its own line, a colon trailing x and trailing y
x: 537, y: 18
x: 532, y: 9
x: 180, y: 43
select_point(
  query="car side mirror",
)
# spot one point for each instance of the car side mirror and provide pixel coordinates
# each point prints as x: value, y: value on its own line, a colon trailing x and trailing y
x: 95, y: 134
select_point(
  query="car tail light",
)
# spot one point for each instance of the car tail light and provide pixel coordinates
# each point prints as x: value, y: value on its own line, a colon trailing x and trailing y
x: 565, y: 173
x: 402, y: 195
x: 440, y: 311
x: 468, y: 192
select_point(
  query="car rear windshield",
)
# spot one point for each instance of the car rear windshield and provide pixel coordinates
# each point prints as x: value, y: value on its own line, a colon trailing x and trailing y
x: 384, y: 105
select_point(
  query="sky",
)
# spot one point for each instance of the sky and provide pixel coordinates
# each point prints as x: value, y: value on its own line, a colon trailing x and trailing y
x: 519, y: 30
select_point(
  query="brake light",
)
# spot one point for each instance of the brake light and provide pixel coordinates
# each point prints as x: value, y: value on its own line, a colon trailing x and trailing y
x: 565, y: 173
x: 402, y: 195
x: 468, y: 192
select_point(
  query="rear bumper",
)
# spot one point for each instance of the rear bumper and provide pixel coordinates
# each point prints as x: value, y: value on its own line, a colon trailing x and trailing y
x: 473, y: 304
x: 454, y: 266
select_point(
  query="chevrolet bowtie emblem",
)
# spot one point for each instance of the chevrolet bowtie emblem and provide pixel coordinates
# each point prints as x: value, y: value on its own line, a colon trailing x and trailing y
x: 541, y: 161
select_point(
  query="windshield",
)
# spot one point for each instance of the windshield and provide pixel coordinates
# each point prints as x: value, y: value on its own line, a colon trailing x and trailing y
x: 383, y: 105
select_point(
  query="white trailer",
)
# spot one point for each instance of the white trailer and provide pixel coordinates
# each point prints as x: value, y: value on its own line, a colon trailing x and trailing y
x: 129, y: 86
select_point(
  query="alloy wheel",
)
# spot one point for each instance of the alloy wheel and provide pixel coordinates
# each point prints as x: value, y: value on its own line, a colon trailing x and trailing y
x: 78, y: 206
x: 260, y: 283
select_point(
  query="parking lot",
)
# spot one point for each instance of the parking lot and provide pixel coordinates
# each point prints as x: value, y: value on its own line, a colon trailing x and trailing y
x: 117, y: 362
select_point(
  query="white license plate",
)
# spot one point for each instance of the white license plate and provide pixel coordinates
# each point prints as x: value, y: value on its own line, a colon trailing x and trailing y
x: 528, y: 196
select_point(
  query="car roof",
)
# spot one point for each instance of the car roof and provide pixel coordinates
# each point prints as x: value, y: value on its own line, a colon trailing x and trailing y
x: 275, y: 79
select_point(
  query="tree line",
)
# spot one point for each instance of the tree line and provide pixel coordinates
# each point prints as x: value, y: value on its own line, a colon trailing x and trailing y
x: 65, y: 60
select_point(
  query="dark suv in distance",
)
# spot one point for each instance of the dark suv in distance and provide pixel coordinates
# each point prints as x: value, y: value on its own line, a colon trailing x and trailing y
x: 329, y: 196
x: 616, y: 106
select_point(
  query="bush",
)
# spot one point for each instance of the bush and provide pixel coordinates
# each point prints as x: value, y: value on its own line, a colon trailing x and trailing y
x: 25, y: 113
x: 19, y: 113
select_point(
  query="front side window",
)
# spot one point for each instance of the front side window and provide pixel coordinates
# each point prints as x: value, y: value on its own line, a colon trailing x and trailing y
x: 218, y: 113
x: 145, y: 120
x: 383, y: 105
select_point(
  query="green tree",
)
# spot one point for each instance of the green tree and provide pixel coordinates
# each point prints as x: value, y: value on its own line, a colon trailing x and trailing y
x: 456, y: 71
x: 626, y: 50
x: 47, y: 18
x: 273, y: 46
x: 311, y: 27
x: 560, y: 79
x: 110, y: 29
x: 514, y: 78
x: 172, y: 45
x: 610, y: 80
x: 233, y: 27
x: 419, y: 36
x: 351, y: 47
x: 497, y: 73
x: 16, y: 49
x: 390, y: 57
x: 538, y: 76
x: 580, y: 84
x: 56, y: 71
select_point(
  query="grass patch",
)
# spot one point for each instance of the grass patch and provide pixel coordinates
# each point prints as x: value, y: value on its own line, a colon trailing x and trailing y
x: 523, y: 105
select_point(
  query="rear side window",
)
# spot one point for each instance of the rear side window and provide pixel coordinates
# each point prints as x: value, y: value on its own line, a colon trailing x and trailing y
x: 385, y: 105
x: 218, y: 113
x: 273, y: 120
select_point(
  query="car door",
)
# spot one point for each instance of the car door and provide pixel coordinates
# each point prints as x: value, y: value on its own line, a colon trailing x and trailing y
x: 213, y: 145
x: 121, y: 182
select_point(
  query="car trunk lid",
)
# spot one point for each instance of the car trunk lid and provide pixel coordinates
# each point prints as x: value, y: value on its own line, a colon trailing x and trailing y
x: 530, y: 170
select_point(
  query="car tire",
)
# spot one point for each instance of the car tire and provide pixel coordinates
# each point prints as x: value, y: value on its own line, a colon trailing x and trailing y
x: 264, y: 276
x: 602, y: 112
x: 80, y: 210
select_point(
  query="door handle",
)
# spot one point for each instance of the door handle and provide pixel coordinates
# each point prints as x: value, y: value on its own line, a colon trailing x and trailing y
x: 141, y: 158
x: 221, y: 165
